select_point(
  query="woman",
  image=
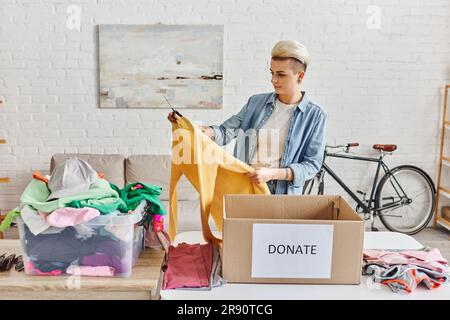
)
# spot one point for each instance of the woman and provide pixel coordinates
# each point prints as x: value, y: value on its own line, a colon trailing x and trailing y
x: 281, y: 134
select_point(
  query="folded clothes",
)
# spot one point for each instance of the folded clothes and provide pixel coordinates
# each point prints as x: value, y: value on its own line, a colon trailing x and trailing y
x: 101, y: 271
x: 101, y: 259
x: 188, y: 266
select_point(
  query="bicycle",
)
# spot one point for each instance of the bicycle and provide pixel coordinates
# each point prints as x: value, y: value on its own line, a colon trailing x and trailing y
x: 403, y: 199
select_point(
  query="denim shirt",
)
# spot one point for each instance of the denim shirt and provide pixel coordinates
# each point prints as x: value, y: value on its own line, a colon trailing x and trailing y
x: 305, y: 142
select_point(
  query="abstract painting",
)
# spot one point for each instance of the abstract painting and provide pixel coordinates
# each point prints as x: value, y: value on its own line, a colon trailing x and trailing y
x: 143, y: 65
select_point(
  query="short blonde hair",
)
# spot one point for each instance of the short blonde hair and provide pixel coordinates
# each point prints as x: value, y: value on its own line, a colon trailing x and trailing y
x: 291, y: 49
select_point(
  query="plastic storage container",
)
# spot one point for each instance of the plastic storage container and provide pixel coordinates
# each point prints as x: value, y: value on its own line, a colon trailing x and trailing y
x: 112, y: 242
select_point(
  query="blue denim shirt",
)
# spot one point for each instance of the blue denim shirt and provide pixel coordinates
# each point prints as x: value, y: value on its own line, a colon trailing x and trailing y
x: 305, y: 142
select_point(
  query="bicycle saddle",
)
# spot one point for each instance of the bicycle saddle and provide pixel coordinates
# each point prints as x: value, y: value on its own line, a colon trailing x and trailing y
x: 385, y: 147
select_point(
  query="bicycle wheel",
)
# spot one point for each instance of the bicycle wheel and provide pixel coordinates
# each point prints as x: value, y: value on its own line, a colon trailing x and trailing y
x: 410, y: 193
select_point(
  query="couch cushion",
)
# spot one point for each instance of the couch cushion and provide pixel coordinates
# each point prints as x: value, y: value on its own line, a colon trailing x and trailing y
x: 155, y: 169
x: 113, y: 166
x: 188, y: 217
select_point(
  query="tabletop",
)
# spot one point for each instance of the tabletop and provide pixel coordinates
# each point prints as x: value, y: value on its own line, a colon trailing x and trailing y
x: 366, y: 290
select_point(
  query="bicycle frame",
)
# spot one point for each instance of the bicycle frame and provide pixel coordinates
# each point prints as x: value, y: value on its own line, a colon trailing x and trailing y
x: 369, y: 207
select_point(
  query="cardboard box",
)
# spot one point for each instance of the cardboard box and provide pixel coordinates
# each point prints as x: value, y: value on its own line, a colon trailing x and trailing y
x: 291, y: 239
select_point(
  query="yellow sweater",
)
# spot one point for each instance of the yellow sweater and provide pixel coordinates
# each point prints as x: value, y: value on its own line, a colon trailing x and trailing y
x: 211, y: 170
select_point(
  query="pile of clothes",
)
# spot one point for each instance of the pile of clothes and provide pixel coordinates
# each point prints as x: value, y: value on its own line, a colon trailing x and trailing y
x: 404, y: 270
x: 69, y: 221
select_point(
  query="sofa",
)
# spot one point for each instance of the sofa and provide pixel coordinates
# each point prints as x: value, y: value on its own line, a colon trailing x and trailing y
x: 152, y: 169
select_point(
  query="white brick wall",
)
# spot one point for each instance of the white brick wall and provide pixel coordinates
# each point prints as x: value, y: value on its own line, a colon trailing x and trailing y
x: 377, y: 85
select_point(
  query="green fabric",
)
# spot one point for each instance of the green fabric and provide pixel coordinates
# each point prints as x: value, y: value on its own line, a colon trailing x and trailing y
x: 149, y: 192
x: 10, y: 216
x: 99, y: 194
x: 105, y: 206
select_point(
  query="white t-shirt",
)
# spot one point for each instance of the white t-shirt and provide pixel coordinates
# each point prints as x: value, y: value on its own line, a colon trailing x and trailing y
x: 272, y: 137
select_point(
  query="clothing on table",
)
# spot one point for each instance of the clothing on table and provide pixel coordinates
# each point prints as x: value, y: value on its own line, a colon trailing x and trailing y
x: 71, y: 177
x: 216, y: 280
x: 64, y: 217
x: 62, y: 247
x: 56, y: 234
x: 212, y: 177
x: 36, y: 270
x: 100, y: 196
x: 60, y: 250
x: 188, y: 266
x: 404, y: 270
x: 305, y: 142
x: 133, y: 194
x: 271, y: 139
x: 429, y: 258
x: 48, y: 266
x: 101, y: 271
x: 405, y: 278
x: 102, y: 260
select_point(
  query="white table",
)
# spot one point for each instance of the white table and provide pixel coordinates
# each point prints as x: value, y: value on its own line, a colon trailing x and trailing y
x: 365, y: 290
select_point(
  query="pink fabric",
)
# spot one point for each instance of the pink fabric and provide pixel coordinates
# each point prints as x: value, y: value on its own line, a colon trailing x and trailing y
x: 158, y: 223
x: 100, y: 271
x: 434, y: 255
x: 39, y: 272
x: 431, y: 259
x: 188, y: 266
x: 64, y: 217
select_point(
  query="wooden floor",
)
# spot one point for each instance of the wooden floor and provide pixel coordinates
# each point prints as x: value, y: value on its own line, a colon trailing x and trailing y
x: 429, y: 237
x: 439, y: 238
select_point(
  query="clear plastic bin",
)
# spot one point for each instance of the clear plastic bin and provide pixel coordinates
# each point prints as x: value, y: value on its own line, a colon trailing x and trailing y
x: 105, y: 241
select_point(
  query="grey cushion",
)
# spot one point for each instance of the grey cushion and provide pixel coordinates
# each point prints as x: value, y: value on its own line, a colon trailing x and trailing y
x: 155, y: 169
x: 112, y: 165
x: 188, y: 216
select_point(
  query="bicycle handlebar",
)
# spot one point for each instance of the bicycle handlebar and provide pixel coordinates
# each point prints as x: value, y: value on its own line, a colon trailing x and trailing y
x: 347, y: 145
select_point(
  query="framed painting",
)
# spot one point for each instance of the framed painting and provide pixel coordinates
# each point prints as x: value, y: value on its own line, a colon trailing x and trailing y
x: 143, y: 65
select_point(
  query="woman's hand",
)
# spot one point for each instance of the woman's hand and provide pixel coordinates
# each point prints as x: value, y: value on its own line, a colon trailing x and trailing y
x: 261, y: 175
x: 208, y: 131
x: 173, y: 117
x: 266, y: 174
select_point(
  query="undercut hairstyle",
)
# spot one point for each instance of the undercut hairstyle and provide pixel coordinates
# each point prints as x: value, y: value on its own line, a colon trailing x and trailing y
x: 294, y: 51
